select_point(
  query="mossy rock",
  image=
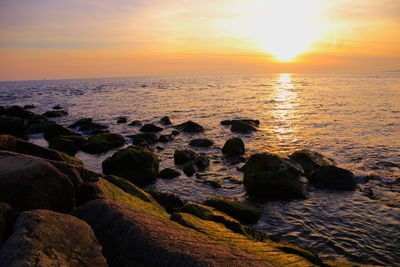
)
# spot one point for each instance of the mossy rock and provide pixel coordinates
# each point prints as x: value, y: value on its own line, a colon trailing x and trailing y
x: 310, y: 160
x: 64, y: 145
x: 103, y: 142
x: 137, y: 164
x: 183, y: 156
x: 129, y: 188
x: 170, y: 202
x: 56, y: 130
x: 233, y: 146
x: 268, y: 176
x: 242, y: 211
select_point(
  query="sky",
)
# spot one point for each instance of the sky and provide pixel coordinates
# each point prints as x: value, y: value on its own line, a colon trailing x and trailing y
x: 57, y: 39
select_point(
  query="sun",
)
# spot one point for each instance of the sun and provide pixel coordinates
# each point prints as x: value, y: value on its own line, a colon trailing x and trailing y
x: 286, y: 28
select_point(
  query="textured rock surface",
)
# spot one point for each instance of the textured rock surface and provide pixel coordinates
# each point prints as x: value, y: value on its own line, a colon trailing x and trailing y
x: 310, y: 160
x: 332, y: 177
x: 46, y: 238
x: 103, y: 142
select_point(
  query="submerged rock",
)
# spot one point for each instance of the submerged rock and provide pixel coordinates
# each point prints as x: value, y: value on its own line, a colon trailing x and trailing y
x: 202, y: 161
x: 101, y: 143
x: 190, y: 127
x: 168, y: 173
x: 55, y: 113
x: 332, y: 177
x: 233, y: 146
x: 250, y: 121
x: 268, y: 176
x: 137, y: 164
x: 33, y: 183
x: 242, y: 211
x: 202, y: 142
x: 47, y: 238
x: 166, y: 138
x: 57, y: 107
x: 243, y: 127
x: 122, y: 120
x: 87, y: 125
x: 150, y: 128
x: 165, y: 120
x: 189, y: 168
x: 310, y: 160
x: 170, y: 202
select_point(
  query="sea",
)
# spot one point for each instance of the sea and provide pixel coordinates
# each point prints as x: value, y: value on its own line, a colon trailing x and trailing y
x: 352, y: 119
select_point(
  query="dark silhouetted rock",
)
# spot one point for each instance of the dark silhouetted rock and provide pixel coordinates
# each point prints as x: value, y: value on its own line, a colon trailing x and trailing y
x: 149, y: 138
x: 55, y: 113
x: 202, y: 161
x: 39, y: 127
x: 8, y: 142
x: 12, y: 125
x: 182, y: 156
x: 29, y: 106
x: 57, y: 107
x: 175, y: 132
x: 5, y: 221
x: 150, y: 128
x: 216, y: 183
x: 249, y: 121
x: 233, y: 146
x: 310, y: 160
x: 242, y: 211
x: 122, y: 120
x: 32, y: 183
x: 190, y: 127
x: 165, y: 120
x: 47, y: 238
x: 170, y: 202
x: 87, y: 125
x: 137, y: 164
x: 55, y: 130
x: 268, y: 176
x: 164, y: 138
x: 136, y: 123
x: 243, y: 127
x: 64, y: 145
x: 189, y: 168
x: 20, y: 112
x: 168, y: 173
x: 202, y: 142
x: 101, y: 143
x: 331, y: 177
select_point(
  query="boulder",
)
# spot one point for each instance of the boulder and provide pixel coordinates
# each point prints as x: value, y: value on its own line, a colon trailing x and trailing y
x: 57, y: 107
x: 189, y: 168
x: 136, y: 123
x: 55, y: 130
x: 165, y: 120
x: 164, y: 138
x: 5, y: 221
x: 88, y: 126
x: 331, y: 177
x: 33, y: 183
x: 170, y: 202
x: 310, y: 160
x: 190, y: 127
x: 243, y: 127
x: 47, y: 238
x: 168, y: 173
x: 8, y: 142
x: 268, y: 176
x: 103, y: 142
x: 149, y: 138
x: 122, y: 120
x: 250, y: 121
x: 175, y: 132
x: 55, y: 113
x: 29, y: 106
x: 233, y: 146
x: 137, y: 164
x: 2, y: 110
x: 39, y: 127
x: 12, y: 125
x: 182, y: 156
x: 202, y: 161
x: 202, y: 142
x: 63, y: 144
x: 20, y: 112
x: 150, y: 128
x: 243, y: 211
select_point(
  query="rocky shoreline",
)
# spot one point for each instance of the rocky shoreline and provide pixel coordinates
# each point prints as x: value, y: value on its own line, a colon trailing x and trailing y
x: 54, y: 211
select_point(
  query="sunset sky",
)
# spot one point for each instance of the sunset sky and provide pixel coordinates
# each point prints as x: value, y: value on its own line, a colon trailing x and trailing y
x: 102, y: 38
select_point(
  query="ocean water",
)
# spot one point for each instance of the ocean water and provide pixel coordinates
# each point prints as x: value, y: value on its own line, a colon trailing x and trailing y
x: 353, y: 119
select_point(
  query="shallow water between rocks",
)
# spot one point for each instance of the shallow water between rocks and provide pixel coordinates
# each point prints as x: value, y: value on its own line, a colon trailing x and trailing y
x: 353, y: 119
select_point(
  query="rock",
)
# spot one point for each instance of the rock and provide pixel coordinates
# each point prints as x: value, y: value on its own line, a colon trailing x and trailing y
x: 8, y: 142
x: 160, y: 148
x: 233, y: 146
x: 137, y: 164
x: 122, y: 120
x: 189, y: 168
x: 332, y: 177
x: 150, y: 128
x: 203, y: 142
x: 5, y: 221
x: 87, y: 125
x: 165, y: 120
x: 32, y: 183
x: 175, y: 132
x: 268, y: 176
x: 57, y: 107
x: 39, y: 127
x: 243, y: 127
x: 170, y: 202
x: 47, y: 238
x: 101, y: 143
x: 136, y: 123
x: 12, y: 125
x: 63, y: 144
x: 55, y: 130
x: 55, y: 113
x: 17, y: 111
x: 244, y: 212
x: 190, y: 127
x: 29, y: 106
x: 202, y: 161
x: 165, y: 138
x: 310, y: 160
x: 216, y: 183
x: 182, y: 156
x: 2, y: 110
x: 168, y: 173
x: 249, y: 121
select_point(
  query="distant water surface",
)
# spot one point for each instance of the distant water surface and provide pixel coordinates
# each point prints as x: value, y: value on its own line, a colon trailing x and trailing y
x: 353, y: 119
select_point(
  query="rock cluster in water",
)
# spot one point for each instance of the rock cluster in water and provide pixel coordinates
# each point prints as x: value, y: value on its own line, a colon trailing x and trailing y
x: 54, y: 211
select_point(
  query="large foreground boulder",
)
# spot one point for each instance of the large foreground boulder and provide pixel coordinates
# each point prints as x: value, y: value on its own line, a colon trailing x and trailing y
x: 30, y: 183
x: 137, y: 164
x: 331, y: 177
x: 103, y: 142
x: 269, y: 176
x: 310, y: 160
x: 47, y: 238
